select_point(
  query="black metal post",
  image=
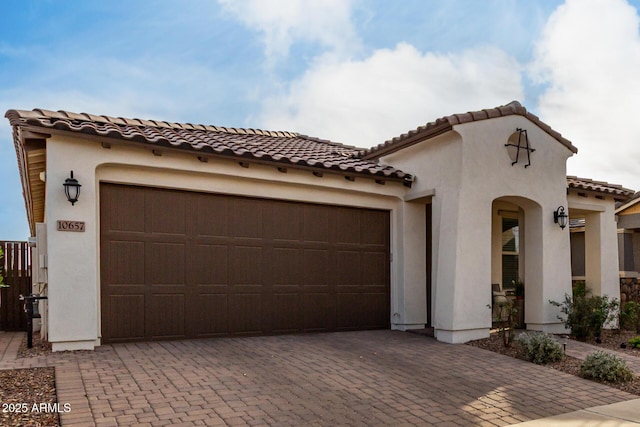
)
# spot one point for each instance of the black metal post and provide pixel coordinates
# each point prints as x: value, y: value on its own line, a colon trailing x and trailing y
x: 28, y: 308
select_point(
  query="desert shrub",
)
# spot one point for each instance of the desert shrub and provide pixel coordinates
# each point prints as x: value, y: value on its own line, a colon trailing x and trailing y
x: 540, y: 348
x: 605, y: 367
x: 630, y: 316
x: 579, y: 288
x: 634, y: 342
x: 507, y: 319
x: 586, y: 314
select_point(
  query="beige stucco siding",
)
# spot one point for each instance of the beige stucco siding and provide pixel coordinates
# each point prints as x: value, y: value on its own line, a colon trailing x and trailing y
x: 469, y: 168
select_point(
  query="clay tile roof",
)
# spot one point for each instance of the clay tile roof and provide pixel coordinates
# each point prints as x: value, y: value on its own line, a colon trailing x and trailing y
x: 284, y: 148
x: 446, y: 123
x: 617, y: 191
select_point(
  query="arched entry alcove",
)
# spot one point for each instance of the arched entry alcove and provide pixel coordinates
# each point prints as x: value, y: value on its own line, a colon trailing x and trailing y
x: 516, y: 251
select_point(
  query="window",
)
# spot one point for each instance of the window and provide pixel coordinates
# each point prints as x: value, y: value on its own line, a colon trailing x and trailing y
x: 510, y: 251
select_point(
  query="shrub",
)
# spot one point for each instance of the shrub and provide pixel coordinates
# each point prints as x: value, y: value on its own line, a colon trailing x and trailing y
x: 586, y: 314
x: 630, y: 316
x: 605, y: 367
x: 507, y: 321
x: 634, y: 342
x: 540, y: 348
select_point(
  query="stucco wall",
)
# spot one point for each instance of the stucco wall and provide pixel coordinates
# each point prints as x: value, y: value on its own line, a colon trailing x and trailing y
x: 437, y: 164
x: 469, y: 169
x: 74, y: 259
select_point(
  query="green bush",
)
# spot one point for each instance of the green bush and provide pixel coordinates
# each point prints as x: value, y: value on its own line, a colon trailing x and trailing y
x: 605, y: 367
x: 634, y: 342
x: 540, y: 348
x: 630, y: 317
x: 586, y: 314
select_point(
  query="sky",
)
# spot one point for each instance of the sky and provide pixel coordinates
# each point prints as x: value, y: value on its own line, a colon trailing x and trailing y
x: 358, y: 72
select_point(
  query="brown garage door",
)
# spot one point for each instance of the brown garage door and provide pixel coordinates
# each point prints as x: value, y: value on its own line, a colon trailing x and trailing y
x: 178, y: 264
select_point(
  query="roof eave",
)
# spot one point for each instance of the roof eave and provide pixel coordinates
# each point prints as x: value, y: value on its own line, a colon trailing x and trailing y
x: 31, y: 158
x: 403, y: 178
x: 399, y: 143
x: 615, y: 196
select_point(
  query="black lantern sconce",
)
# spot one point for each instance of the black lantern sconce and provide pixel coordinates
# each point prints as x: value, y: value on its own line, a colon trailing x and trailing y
x: 72, y: 189
x: 560, y: 217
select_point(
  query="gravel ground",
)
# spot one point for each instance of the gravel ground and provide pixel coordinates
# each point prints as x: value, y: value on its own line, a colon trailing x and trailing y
x: 23, y: 393
x: 23, y: 388
x: 39, y: 347
x: 570, y: 365
x: 613, y: 339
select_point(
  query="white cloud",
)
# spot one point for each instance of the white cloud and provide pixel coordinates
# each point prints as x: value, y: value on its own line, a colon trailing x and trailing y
x: 589, y: 55
x: 365, y: 102
x: 284, y: 22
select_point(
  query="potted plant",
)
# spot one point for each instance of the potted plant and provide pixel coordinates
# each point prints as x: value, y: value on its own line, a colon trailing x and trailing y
x: 519, y: 289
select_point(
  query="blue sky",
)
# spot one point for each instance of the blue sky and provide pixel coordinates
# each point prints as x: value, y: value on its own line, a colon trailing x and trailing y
x: 358, y: 72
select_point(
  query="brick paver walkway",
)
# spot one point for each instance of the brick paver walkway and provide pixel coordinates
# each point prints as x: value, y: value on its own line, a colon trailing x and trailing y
x: 350, y: 378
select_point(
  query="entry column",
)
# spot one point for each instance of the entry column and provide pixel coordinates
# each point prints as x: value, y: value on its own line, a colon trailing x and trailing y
x: 601, y: 254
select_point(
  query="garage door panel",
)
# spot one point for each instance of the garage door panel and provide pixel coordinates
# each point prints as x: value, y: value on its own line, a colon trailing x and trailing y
x: 316, y: 267
x: 247, y: 218
x: 167, y: 212
x: 374, y: 269
x: 283, y: 222
x: 317, y: 224
x: 348, y: 271
x: 166, y: 313
x: 245, y: 312
x: 126, y: 314
x: 209, y: 264
x: 286, y: 266
x: 127, y: 289
x: 348, y: 225
x: 117, y: 204
x: 210, y: 316
x: 375, y: 228
x: 348, y: 310
x: 213, y: 265
x: 373, y: 310
x: 246, y: 264
x: 125, y: 262
x: 286, y: 312
x: 319, y: 312
x: 166, y: 263
x: 211, y: 216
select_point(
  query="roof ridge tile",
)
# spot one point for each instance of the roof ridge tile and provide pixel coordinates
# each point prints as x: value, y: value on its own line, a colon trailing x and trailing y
x: 435, y: 127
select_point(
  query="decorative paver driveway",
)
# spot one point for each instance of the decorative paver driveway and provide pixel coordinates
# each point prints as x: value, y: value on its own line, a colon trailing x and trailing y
x: 349, y: 378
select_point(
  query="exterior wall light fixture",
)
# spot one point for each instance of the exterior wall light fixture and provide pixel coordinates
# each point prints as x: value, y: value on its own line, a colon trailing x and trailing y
x: 72, y: 189
x: 560, y: 217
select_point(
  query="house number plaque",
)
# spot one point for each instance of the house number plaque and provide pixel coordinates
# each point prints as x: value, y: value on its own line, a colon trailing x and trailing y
x: 70, y: 225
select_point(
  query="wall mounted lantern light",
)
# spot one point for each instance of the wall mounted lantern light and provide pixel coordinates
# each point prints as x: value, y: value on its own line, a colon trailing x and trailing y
x: 560, y: 217
x: 72, y: 189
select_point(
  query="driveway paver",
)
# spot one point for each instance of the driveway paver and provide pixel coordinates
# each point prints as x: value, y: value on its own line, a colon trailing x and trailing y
x: 346, y: 378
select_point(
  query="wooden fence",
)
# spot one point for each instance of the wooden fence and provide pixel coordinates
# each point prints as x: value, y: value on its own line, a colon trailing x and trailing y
x: 16, y: 269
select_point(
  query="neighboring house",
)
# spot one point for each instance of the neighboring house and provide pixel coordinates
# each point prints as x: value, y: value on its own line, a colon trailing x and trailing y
x: 629, y: 248
x: 198, y: 231
x: 581, y: 242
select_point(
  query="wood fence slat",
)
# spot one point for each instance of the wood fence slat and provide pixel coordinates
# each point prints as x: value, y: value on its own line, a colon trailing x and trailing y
x: 17, y: 274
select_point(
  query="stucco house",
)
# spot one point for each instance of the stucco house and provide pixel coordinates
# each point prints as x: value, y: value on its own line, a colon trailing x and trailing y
x: 185, y: 231
x: 628, y: 215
